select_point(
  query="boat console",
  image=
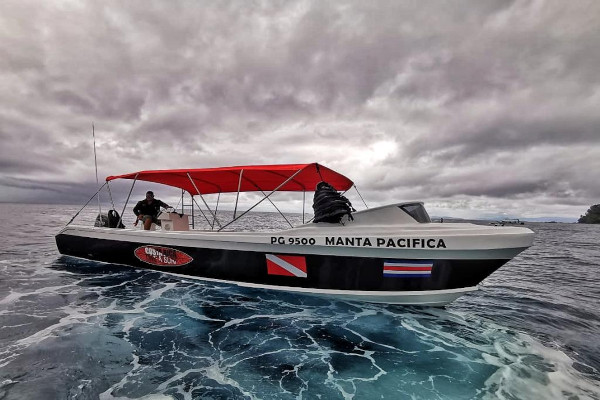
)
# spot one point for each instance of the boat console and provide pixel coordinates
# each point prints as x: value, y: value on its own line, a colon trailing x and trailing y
x: 172, y: 221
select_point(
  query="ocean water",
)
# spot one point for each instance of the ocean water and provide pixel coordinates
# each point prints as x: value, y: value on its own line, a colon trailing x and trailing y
x: 75, y: 329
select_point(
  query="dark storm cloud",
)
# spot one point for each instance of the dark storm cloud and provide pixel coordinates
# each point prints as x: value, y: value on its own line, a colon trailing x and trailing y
x: 42, y: 191
x: 509, y: 189
x: 31, y: 184
x: 510, y: 129
x: 435, y: 100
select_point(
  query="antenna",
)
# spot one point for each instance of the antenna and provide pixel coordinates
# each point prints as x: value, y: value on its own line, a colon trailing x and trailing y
x: 96, y: 165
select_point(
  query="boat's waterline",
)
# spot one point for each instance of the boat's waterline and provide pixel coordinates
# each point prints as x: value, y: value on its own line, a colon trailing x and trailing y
x: 433, y: 298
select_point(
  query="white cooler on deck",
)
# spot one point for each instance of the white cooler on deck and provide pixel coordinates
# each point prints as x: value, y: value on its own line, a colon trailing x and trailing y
x: 171, y: 221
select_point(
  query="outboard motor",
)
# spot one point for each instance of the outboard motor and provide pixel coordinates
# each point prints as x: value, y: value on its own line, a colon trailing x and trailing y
x: 113, y: 220
x: 329, y: 205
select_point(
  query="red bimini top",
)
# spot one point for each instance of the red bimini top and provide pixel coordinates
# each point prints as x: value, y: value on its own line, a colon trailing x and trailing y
x: 252, y: 178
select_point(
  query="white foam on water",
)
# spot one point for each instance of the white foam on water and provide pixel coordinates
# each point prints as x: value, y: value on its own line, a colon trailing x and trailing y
x: 14, y: 295
x: 530, y: 370
x: 22, y: 262
x: 178, y: 376
x: 139, y: 312
x: 195, y: 315
x: 337, y: 383
x: 154, y: 329
x: 156, y: 294
x: 221, y: 376
x: 7, y: 382
x: 71, y: 316
x: 241, y: 321
x: 441, y: 337
x: 526, y: 369
x: 152, y: 396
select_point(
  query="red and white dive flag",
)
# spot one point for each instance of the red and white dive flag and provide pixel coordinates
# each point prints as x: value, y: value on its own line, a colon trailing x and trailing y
x: 286, y: 265
x: 407, y: 268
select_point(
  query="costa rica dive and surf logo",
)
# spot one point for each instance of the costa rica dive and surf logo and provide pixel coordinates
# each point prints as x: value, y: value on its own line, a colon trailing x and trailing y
x: 162, y: 256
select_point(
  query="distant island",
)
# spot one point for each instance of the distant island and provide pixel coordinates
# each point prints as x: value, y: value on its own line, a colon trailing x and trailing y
x: 592, y: 216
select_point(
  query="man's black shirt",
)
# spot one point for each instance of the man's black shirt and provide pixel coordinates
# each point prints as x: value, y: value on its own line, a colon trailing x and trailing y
x: 143, y: 208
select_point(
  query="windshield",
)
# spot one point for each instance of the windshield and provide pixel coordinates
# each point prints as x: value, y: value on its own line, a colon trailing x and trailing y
x: 417, y: 211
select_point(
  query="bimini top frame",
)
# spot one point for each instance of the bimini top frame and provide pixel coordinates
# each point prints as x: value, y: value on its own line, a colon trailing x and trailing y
x: 251, y: 178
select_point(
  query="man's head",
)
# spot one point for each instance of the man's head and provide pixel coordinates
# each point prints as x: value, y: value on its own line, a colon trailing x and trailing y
x: 150, y: 195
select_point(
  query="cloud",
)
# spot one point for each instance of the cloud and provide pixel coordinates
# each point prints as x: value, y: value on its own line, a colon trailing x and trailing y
x: 447, y: 102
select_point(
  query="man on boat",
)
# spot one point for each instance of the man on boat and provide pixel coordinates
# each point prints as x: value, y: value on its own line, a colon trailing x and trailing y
x: 147, y: 210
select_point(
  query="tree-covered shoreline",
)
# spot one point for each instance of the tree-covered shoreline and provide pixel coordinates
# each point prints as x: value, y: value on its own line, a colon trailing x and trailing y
x: 592, y: 216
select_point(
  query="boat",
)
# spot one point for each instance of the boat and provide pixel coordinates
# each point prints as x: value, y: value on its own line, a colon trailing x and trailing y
x: 512, y: 221
x: 391, y: 254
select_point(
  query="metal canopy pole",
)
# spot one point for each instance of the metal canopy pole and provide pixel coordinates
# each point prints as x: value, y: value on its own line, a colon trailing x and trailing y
x: 201, y: 212
x: 212, y: 226
x: 266, y: 197
x: 110, y: 195
x: 88, y: 202
x: 263, y: 193
x: 192, y: 196
x: 238, y: 194
x: 204, y: 201
x: 363, y: 200
x: 303, y: 203
x: 127, y: 201
x: 286, y: 220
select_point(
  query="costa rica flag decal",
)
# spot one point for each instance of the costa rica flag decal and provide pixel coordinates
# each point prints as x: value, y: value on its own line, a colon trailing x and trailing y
x: 407, y: 268
x: 278, y: 264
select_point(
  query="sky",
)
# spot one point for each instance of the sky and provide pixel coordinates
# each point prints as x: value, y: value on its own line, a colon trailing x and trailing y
x: 478, y: 108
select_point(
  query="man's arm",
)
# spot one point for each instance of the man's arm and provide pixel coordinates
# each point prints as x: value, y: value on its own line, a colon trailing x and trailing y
x: 136, y: 209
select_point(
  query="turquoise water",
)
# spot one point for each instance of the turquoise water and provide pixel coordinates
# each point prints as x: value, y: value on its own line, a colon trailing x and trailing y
x: 77, y: 329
